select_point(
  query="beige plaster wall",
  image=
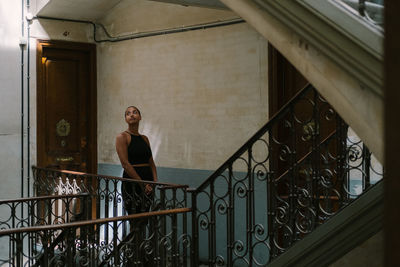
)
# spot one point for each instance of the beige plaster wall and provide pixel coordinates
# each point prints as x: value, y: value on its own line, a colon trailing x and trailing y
x: 10, y: 100
x: 202, y: 93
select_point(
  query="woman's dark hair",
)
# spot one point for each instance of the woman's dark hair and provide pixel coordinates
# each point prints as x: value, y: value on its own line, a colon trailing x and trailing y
x: 132, y: 107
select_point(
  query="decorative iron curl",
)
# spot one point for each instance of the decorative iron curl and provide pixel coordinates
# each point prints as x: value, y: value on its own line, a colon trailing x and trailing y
x: 184, y: 241
x: 241, y: 189
x: 166, y: 242
x: 239, y: 248
x: 219, y: 261
x: 261, y: 172
x: 260, y: 233
x: 305, y: 220
x: 222, y: 206
x: 203, y: 221
x: 282, y: 214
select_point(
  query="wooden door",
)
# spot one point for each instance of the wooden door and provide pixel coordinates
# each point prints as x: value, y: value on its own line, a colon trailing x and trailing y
x: 284, y: 80
x: 66, y: 106
x: 293, y: 166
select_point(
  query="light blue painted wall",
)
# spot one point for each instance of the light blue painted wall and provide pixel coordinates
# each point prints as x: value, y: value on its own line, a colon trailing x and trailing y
x: 190, y: 177
x: 194, y: 178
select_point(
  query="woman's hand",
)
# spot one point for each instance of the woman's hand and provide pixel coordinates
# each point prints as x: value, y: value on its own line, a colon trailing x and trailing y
x: 148, y: 189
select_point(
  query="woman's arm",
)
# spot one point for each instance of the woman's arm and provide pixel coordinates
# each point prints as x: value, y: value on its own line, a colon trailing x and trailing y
x: 121, y: 145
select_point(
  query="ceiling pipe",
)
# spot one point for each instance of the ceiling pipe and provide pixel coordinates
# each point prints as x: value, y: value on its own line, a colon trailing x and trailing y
x: 28, y: 78
x: 138, y: 35
x: 22, y: 46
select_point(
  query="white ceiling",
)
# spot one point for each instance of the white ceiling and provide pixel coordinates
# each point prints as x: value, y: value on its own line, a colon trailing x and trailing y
x: 77, y: 9
x: 95, y: 9
x: 200, y: 3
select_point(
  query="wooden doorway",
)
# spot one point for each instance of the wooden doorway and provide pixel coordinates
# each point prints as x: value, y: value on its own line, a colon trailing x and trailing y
x: 66, y: 106
x: 303, y: 162
x: 284, y: 80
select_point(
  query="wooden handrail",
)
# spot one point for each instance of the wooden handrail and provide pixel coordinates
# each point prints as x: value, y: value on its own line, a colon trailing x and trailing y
x: 93, y: 222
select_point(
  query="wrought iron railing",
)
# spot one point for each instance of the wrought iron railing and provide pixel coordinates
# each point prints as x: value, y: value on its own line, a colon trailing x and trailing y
x: 159, y: 245
x: 371, y: 10
x: 108, y: 200
x: 24, y: 212
x: 107, y: 191
x: 295, y: 173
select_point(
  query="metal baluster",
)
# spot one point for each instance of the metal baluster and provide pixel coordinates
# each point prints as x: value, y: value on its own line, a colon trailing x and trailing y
x: 184, y: 229
x: 115, y: 223
x: 292, y: 180
x: 316, y: 163
x: 270, y: 199
x: 366, y: 159
x: 231, y: 220
x: 250, y: 208
x: 361, y: 7
x: 194, y: 259
x: 163, y: 229
x: 106, y: 207
x: 175, y: 253
x: 212, y: 230
x: 19, y: 251
x: 341, y: 139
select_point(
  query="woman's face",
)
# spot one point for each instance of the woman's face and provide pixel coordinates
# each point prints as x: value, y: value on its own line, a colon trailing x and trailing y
x: 132, y: 115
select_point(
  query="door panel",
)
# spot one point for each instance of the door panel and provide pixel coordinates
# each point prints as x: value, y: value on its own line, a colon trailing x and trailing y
x: 66, y: 106
x: 284, y: 83
x: 296, y: 171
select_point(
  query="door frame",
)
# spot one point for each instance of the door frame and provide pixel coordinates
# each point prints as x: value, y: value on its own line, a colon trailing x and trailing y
x: 90, y: 49
x: 283, y: 79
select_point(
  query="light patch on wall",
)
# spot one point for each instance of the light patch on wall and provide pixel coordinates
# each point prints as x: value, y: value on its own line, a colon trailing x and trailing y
x: 9, y: 30
x: 155, y: 136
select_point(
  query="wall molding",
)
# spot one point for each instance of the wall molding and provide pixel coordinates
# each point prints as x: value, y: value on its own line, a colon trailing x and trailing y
x: 347, y: 50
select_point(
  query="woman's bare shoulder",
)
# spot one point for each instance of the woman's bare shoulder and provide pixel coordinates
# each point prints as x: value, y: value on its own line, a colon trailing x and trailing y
x: 122, y: 136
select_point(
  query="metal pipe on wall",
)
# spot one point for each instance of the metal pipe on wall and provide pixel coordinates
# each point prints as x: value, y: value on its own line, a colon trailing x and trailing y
x: 22, y: 96
x: 145, y: 34
x: 28, y: 77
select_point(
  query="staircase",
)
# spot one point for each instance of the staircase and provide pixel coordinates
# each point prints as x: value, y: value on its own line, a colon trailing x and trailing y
x: 295, y: 181
x: 303, y: 186
x: 303, y: 191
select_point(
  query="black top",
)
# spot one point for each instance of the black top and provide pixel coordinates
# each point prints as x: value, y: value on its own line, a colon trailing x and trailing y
x: 138, y: 150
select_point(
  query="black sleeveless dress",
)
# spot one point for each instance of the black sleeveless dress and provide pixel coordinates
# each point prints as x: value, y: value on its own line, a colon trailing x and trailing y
x: 135, y: 200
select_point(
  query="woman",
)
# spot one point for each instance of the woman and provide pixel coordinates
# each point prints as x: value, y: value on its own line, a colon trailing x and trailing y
x: 136, y: 158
